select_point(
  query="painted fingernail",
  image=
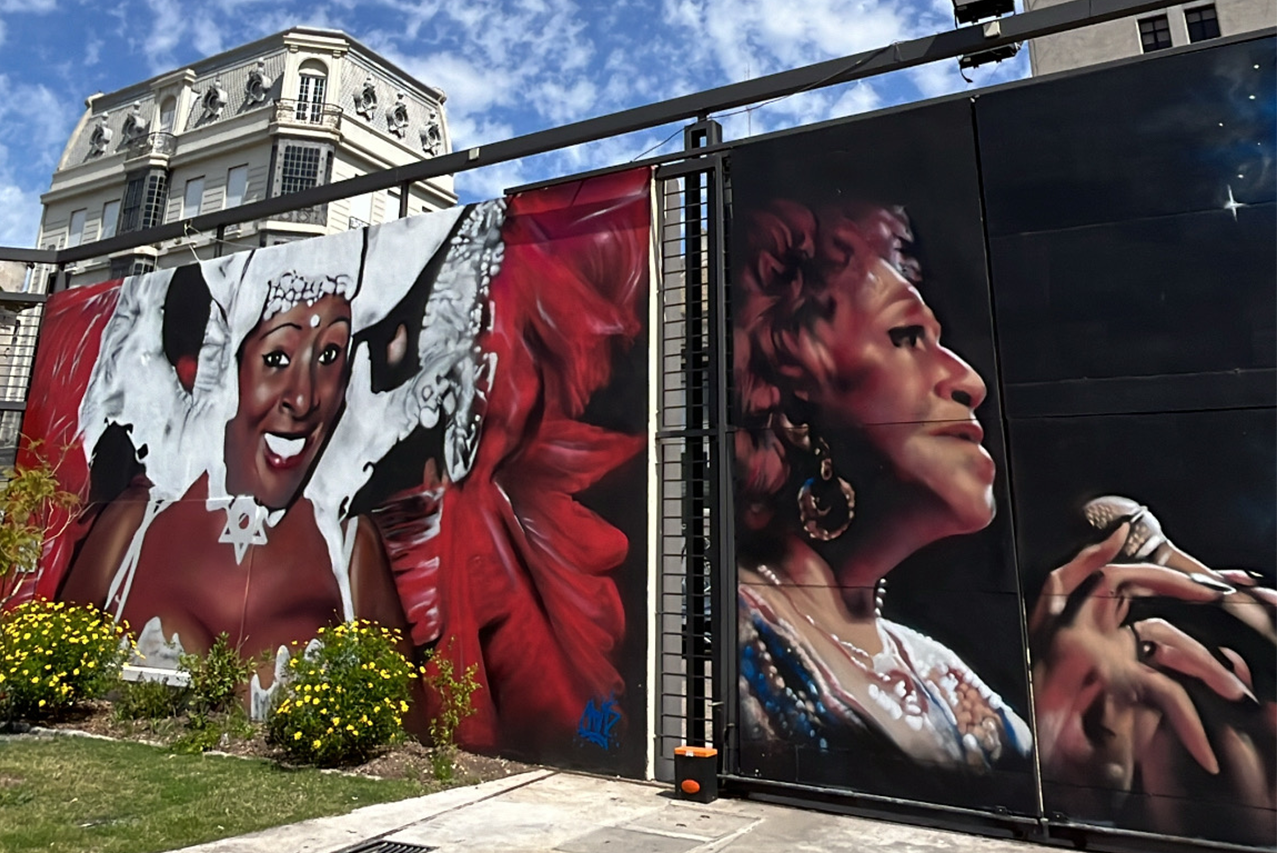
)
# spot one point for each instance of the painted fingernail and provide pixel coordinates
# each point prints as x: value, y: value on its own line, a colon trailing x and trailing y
x: 1210, y: 583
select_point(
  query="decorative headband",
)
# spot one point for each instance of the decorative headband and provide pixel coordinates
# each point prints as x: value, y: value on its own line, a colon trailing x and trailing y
x: 290, y: 290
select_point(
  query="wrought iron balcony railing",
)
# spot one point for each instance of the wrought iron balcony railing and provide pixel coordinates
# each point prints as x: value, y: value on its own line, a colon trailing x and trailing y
x: 290, y: 111
x: 160, y: 142
x: 314, y: 215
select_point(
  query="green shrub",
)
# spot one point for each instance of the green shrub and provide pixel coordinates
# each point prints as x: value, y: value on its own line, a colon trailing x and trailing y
x: 33, y: 507
x: 214, y: 731
x: 147, y: 700
x: 216, y: 677
x: 54, y: 654
x: 439, y: 675
x: 343, y: 697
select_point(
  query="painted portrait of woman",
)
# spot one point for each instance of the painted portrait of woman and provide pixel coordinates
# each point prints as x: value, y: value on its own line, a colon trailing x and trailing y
x: 859, y: 447
x: 292, y: 371
x: 911, y: 530
x: 398, y: 424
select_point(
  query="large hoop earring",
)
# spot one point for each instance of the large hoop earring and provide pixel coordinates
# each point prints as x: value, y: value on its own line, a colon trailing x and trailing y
x: 818, y: 498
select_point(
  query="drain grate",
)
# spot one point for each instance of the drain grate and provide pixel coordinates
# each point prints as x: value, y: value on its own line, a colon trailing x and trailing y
x: 381, y: 846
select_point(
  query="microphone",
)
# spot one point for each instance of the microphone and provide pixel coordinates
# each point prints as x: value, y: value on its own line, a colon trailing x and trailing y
x: 1146, y: 543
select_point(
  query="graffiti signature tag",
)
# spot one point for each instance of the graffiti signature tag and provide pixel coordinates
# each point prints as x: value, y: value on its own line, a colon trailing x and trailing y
x: 597, y: 721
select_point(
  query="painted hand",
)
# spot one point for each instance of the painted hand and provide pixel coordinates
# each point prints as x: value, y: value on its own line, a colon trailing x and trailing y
x: 1109, y: 692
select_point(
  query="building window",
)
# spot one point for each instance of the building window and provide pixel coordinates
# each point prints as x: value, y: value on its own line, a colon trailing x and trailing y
x: 300, y: 169
x: 193, y: 198
x: 131, y: 265
x: 75, y: 232
x: 236, y: 186
x: 1202, y: 23
x: 310, y: 93
x: 144, y: 199
x: 168, y: 113
x: 110, y: 218
x: 1155, y: 33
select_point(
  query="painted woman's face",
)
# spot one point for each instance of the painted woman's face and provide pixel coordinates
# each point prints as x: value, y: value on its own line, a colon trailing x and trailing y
x: 880, y: 367
x: 292, y: 378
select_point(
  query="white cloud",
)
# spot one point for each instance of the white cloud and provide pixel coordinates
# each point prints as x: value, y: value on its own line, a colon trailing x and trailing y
x: 37, y: 6
x: 206, y: 35
x: 19, y: 214
x: 34, y: 126
x: 168, y: 23
x: 37, y: 118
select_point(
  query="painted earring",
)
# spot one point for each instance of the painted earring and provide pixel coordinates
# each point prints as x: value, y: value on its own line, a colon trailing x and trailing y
x: 820, y: 497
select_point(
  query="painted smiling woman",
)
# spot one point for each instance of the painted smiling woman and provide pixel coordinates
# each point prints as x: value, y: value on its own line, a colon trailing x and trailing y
x: 293, y: 369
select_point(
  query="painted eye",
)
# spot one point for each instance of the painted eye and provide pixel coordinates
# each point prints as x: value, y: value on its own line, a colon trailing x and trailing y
x: 910, y: 336
x: 277, y: 358
x: 329, y: 354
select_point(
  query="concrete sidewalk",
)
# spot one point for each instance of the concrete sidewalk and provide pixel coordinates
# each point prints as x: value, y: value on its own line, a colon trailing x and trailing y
x: 560, y: 812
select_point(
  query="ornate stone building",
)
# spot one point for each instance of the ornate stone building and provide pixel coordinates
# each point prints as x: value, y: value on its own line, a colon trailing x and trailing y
x: 301, y: 108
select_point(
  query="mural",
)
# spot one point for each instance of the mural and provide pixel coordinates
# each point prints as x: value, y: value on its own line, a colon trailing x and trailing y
x: 1135, y: 287
x: 868, y: 451
x: 430, y: 424
x: 1109, y: 362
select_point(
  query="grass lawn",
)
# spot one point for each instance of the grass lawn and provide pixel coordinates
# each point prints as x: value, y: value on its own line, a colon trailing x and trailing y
x: 83, y: 795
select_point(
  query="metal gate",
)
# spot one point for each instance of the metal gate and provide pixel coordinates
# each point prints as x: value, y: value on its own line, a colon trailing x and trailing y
x: 695, y: 626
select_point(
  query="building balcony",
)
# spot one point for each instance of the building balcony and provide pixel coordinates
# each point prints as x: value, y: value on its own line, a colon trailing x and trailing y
x: 158, y: 144
x: 314, y: 215
x: 301, y: 114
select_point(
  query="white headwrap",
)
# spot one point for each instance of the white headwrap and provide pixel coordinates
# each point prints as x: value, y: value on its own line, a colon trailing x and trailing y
x: 133, y: 384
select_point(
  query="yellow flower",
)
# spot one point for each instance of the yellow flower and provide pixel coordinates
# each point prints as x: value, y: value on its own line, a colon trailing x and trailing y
x: 298, y: 736
x: 316, y: 744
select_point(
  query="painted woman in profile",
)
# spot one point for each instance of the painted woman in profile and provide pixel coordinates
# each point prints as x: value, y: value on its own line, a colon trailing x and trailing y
x: 859, y: 447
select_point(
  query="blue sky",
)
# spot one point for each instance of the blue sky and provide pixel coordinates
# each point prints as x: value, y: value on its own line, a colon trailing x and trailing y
x: 509, y: 66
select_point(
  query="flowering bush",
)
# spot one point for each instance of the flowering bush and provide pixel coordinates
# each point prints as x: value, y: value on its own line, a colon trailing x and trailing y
x: 343, y: 697
x: 54, y: 654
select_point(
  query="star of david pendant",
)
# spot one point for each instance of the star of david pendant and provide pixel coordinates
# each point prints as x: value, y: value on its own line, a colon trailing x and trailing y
x: 245, y: 525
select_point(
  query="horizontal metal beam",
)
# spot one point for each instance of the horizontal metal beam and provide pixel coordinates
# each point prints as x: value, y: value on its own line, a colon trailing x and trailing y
x: 892, y: 57
x: 29, y: 256
x: 18, y: 301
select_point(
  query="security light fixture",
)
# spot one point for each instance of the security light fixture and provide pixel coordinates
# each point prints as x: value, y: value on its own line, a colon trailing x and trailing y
x: 970, y: 11
x: 993, y: 54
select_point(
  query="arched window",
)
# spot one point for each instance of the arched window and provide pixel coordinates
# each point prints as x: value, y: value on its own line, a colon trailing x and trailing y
x: 168, y: 114
x: 310, y: 92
